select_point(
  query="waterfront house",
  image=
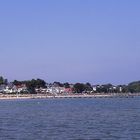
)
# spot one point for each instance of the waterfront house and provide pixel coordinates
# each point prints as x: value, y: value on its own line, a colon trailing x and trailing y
x: 20, y: 88
x: 68, y: 90
x: 41, y: 90
x: 2, y: 87
x: 94, y: 88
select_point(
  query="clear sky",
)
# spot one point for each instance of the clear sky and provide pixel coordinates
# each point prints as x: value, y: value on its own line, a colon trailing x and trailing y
x: 95, y: 41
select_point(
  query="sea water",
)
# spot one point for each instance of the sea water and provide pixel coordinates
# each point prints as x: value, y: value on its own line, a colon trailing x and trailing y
x: 70, y: 119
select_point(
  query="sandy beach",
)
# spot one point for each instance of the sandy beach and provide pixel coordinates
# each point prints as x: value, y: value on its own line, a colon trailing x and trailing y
x: 44, y: 96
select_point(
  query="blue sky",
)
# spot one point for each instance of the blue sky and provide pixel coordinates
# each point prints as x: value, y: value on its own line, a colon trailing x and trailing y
x: 70, y: 40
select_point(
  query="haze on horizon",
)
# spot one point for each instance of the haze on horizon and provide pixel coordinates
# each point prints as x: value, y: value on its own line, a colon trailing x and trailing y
x: 94, y: 41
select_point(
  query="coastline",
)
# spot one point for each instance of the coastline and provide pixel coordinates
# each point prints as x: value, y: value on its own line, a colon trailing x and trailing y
x: 44, y: 96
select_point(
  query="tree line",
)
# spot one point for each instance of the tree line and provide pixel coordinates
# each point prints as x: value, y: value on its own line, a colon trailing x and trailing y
x: 133, y: 87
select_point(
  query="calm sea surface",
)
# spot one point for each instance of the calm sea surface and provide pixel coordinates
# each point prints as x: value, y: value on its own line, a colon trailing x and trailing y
x: 70, y: 119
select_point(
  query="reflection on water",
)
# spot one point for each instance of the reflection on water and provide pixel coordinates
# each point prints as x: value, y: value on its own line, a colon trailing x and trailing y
x: 74, y: 119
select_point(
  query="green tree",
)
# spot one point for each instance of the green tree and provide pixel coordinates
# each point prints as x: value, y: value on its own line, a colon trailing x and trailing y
x: 40, y: 83
x: 134, y: 87
x: 32, y: 84
x: 79, y: 87
x: 58, y: 84
x: 15, y: 82
x: 88, y: 87
x: 1, y: 80
x: 66, y: 85
x: 105, y: 88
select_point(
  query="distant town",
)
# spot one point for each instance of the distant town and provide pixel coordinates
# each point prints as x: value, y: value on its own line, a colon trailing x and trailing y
x: 39, y: 86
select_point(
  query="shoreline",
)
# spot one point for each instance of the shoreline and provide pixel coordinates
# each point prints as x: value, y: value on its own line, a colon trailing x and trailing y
x: 44, y: 96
